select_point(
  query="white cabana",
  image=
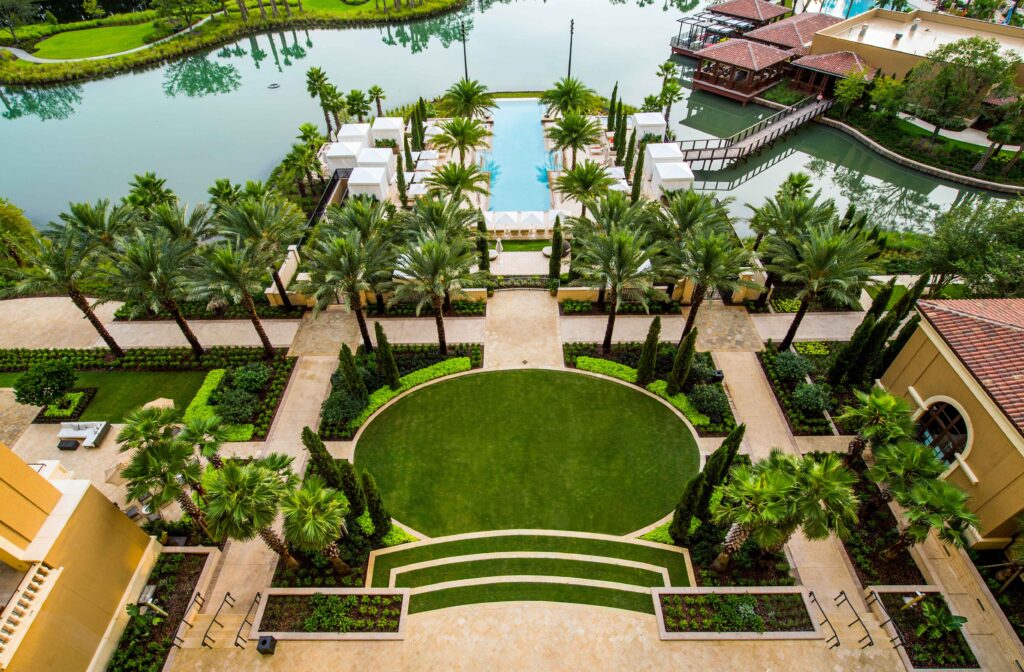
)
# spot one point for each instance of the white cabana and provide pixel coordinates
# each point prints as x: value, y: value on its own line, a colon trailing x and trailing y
x: 425, y: 166
x: 555, y: 214
x: 660, y: 152
x: 429, y: 155
x: 409, y: 178
x: 355, y: 133
x: 506, y: 221
x: 341, y: 155
x: 371, y: 157
x: 669, y: 177
x: 616, y: 172
x: 369, y: 181
x: 418, y: 189
x: 532, y: 222
x: 621, y: 185
x: 645, y: 123
x: 387, y: 128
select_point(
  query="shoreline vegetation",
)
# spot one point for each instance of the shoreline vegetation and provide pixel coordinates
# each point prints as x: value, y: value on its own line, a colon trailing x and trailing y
x: 215, y: 32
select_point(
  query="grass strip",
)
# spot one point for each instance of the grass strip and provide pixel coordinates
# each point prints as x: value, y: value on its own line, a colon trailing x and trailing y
x: 580, y: 569
x: 533, y: 592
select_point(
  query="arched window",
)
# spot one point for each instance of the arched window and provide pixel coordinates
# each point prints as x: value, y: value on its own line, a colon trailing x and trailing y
x: 944, y: 429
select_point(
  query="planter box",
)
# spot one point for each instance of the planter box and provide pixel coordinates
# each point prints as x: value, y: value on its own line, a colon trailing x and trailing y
x: 257, y: 629
x: 813, y: 631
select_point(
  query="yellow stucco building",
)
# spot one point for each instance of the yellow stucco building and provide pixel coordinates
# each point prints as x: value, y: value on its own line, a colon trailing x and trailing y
x: 71, y: 563
x: 963, y: 372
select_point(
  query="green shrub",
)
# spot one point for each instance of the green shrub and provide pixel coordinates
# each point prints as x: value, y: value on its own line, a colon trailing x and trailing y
x: 681, y: 402
x: 607, y: 368
x: 710, y: 400
x: 200, y: 407
x: 236, y: 406
x: 64, y: 407
x: 810, y: 398
x: 660, y: 535
x: 45, y: 383
x: 341, y: 407
x: 791, y: 367
x: 251, y: 377
x: 386, y: 394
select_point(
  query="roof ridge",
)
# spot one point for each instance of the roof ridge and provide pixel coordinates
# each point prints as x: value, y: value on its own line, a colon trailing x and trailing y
x: 980, y: 318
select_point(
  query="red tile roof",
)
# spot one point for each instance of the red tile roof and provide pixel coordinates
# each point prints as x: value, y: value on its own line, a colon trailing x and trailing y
x: 987, y: 335
x: 754, y: 10
x: 744, y: 54
x: 794, y: 32
x: 840, y: 63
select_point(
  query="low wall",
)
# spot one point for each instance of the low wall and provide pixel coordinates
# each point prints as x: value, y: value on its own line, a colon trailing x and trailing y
x: 257, y: 630
x: 814, y: 633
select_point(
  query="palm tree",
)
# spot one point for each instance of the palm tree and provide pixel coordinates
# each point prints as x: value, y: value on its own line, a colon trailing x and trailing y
x: 435, y: 217
x: 708, y: 260
x: 143, y: 426
x: 754, y: 504
x: 620, y: 262
x: 462, y: 134
x: 376, y: 94
x: 242, y: 503
x: 191, y: 227
x: 148, y: 191
x: 148, y: 273
x: 333, y: 101
x: 881, y: 418
x: 826, y: 262
x: 790, y: 212
x: 370, y: 217
x: 899, y: 466
x: 667, y: 70
x: 934, y: 505
x: 316, y: 82
x: 206, y: 433
x: 16, y: 231
x: 431, y: 270
x: 574, y: 131
x: 1000, y: 135
x: 569, y: 95
x: 454, y: 179
x: 99, y: 223
x: 358, y: 104
x: 309, y: 134
x: 266, y: 226
x: 166, y: 469
x: 467, y: 98
x: 585, y: 182
x: 345, y: 266
x: 672, y: 93
x: 226, y: 276
x: 61, y: 264
x: 314, y: 519
x: 613, y: 210
x: 224, y: 192
x: 823, y: 501
x: 688, y: 211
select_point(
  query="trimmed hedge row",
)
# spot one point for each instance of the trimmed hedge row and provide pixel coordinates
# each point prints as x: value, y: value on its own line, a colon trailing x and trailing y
x: 200, y: 408
x: 135, y: 359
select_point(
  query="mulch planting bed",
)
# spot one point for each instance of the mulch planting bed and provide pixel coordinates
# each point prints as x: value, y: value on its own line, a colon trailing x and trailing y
x: 779, y: 612
x: 947, y: 652
x: 332, y: 613
x: 750, y: 567
x: 573, y: 307
x: 87, y: 395
x: 1011, y: 601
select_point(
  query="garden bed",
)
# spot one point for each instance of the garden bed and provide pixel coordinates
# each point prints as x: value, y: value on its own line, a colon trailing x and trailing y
x: 751, y: 566
x: 339, y: 613
x: 734, y: 614
x: 135, y: 359
x: 68, y: 409
x: 198, y: 310
x: 924, y: 651
x: 458, y: 309
x: 245, y: 397
x: 574, y: 307
x: 1011, y: 600
x: 801, y: 422
x: 784, y: 300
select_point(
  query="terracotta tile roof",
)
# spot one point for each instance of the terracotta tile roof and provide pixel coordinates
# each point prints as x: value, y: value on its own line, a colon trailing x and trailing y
x: 999, y: 101
x: 744, y: 54
x: 840, y: 63
x: 794, y: 32
x: 754, y: 10
x: 987, y: 335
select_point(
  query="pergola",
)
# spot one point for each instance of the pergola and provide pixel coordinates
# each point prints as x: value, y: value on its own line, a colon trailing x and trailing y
x: 706, y: 28
x: 739, y: 69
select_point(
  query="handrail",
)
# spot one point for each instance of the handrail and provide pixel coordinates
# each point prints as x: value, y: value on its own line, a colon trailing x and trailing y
x: 898, y: 640
x: 768, y: 121
x: 835, y: 635
x: 178, y: 640
x: 230, y: 601
x: 324, y: 202
x: 842, y: 598
x: 246, y: 621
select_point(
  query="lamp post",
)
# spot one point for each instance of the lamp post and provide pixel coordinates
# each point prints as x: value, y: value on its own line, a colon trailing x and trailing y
x: 572, y: 30
x: 465, y: 62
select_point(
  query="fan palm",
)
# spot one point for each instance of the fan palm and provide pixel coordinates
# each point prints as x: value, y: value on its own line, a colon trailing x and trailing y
x: 99, y: 223
x: 365, y: 214
x: 826, y: 262
x: 667, y: 70
x: 823, y: 500
x: 227, y: 276
x: 206, y: 433
x: 463, y: 134
x: 191, y: 227
x: 358, y: 104
x: 467, y: 98
x: 688, y: 211
x: 436, y: 217
x: 790, y: 212
x: 314, y: 519
x: 224, y: 192
x: 454, y: 180
x: 754, y: 504
x: 143, y: 426
x: 376, y: 94
x: 584, y: 182
x: 61, y: 264
x: 166, y: 470
x: 242, y: 503
x: 569, y: 95
x: 934, y: 505
x: 574, y: 131
x: 898, y: 466
x: 707, y: 260
x: 880, y: 418
x: 266, y: 226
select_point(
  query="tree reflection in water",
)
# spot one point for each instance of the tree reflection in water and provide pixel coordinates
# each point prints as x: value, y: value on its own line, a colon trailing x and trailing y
x: 198, y: 76
x: 54, y: 102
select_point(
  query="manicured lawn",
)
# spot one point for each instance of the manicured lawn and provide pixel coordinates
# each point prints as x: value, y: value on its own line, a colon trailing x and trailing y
x: 598, y: 571
x: 546, y: 592
x: 531, y: 450
x: 522, y: 245
x: 94, y: 41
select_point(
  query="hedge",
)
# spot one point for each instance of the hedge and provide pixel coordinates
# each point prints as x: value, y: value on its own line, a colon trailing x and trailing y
x: 200, y: 408
x: 658, y: 387
x: 407, y: 382
x: 681, y: 402
x: 607, y: 368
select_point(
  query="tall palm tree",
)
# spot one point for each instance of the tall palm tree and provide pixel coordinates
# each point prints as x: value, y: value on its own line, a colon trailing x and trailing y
x: 314, y: 519
x: 899, y: 466
x: 671, y: 94
x: 613, y: 210
x: 346, y: 266
x: 61, y: 264
x: 826, y: 262
x: 754, y: 504
x: 934, y: 505
x: 462, y: 134
x: 358, y: 104
x: 879, y: 419
x: 148, y: 191
x: 334, y: 102
x: 226, y: 275
x: 574, y: 131
x: 667, y: 70
x: 99, y: 223
x: 166, y: 470
x: 148, y: 273
x: 584, y: 182
x: 790, y: 212
x: 224, y: 192
x: 620, y: 262
x: 435, y: 217
x: 191, y: 227
x: 206, y: 433
x: 143, y: 426
x: 569, y: 95
x: 430, y: 270
x: 316, y: 83
x: 467, y: 98
x: 822, y: 500
x: 709, y: 261
x: 242, y: 503
x: 456, y: 180
x: 267, y: 226
x: 686, y: 212
x: 376, y: 94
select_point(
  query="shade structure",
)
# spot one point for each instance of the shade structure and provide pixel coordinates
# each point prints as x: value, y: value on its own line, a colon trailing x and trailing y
x: 425, y: 166
x: 669, y: 177
x: 532, y: 221
x: 660, y: 152
x: 506, y: 221
x: 340, y: 155
x: 160, y: 402
x: 370, y: 157
x: 418, y: 189
x: 648, y: 123
x: 113, y: 474
x: 387, y: 128
x: 355, y: 133
x: 621, y: 185
x: 616, y: 172
x: 429, y: 155
x: 369, y: 181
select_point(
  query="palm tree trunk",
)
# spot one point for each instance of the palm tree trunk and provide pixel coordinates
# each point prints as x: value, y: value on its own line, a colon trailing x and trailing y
x: 257, y: 324
x: 327, y: 120
x: 273, y: 7
x: 341, y: 568
x: 380, y: 110
x: 757, y: 242
x: 1013, y: 162
x: 574, y: 157
x: 1006, y: 584
x: 243, y: 10
x: 734, y: 540
x: 194, y: 512
x: 355, y: 302
x: 83, y: 305
x: 668, y: 114
x: 263, y: 10
x: 902, y: 543
x: 791, y: 334
x: 275, y: 543
x: 601, y: 299
x: 442, y: 343
x: 606, y: 345
x: 696, y: 299
x: 769, y: 282
x: 216, y: 461
x: 172, y: 308
x: 287, y: 9
x: 12, y: 251
x: 992, y: 150
x: 381, y: 307
x: 285, y: 301
x: 583, y: 211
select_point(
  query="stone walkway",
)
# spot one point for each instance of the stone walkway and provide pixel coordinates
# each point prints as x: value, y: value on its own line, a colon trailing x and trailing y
x: 166, y: 334
x: 522, y: 330
x: 48, y: 322
x: 14, y: 417
x: 815, y: 326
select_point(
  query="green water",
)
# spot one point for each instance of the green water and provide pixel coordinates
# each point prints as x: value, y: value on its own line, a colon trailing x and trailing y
x: 213, y: 115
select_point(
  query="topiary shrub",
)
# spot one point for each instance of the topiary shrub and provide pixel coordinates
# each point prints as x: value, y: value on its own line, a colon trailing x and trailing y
x: 45, y: 383
x: 792, y: 368
x: 341, y: 407
x: 710, y: 400
x: 251, y: 377
x: 810, y: 398
x: 236, y: 406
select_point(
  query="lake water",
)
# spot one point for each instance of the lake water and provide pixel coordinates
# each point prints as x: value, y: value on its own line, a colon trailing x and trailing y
x: 213, y: 115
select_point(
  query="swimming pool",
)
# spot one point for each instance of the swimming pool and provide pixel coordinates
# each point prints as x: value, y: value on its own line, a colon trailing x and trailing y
x: 519, y: 162
x: 843, y: 9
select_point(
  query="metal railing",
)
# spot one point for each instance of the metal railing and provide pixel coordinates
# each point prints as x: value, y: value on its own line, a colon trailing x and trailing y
x: 325, y: 201
x: 239, y: 640
x: 228, y: 600
x: 896, y: 641
x: 769, y: 120
x: 196, y: 599
x: 865, y: 641
x: 729, y: 185
x: 833, y: 641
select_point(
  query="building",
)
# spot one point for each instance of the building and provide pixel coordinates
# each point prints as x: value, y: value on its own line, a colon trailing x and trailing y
x: 71, y: 563
x: 739, y: 69
x: 820, y: 72
x: 795, y: 32
x: 962, y: 371
x: 724, y: 21
x: 895, y: 41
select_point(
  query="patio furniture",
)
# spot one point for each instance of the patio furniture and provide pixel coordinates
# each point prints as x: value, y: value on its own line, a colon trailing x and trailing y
x: 133, y: 512
x: 67, y: 444
x: 89, y: 433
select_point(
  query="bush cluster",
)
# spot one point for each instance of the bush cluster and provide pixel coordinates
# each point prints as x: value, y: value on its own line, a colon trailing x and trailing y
x: 803, y: 413
x: 460, y: 308
x: 199, y: 310
x: 750, y: 612
x: 135, y: 359
x: 236, y: 396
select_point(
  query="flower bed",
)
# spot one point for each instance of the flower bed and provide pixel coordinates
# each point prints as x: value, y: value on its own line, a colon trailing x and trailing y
x: 68, y: 409
x: 925, y: 651
x: 735, y: 612
x: 135, y: 359
x: 784, y: 300
x: 458, y: 309
x: 259, y: 405
x: 574, y: 307
x: 198, y: 310
x: 331, y: 614
x: 521, y: 281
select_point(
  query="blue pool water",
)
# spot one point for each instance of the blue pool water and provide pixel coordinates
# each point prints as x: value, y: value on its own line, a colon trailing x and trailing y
x: 518, y: 162
x: 843, y: 8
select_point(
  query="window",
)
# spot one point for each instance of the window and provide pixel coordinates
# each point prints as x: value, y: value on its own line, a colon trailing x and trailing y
x: 944, y: 429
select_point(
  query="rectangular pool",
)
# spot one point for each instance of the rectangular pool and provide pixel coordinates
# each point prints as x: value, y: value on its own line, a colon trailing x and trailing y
x: 519, y: 162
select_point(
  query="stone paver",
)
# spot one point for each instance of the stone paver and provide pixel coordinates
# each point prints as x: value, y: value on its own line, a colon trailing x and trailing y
x: 522, y: 263
x: 48, y: 322
x: 14, y: 417
x: 823, y: 444
x: 324, y: 334
x: 522, y: 330
x: 815, y: 326
x: 423, y: 329
x: 164, y: 334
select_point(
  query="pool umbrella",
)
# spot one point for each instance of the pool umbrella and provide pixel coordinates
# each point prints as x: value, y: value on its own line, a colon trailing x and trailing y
x: 161, y: 402
x: 498, y: 248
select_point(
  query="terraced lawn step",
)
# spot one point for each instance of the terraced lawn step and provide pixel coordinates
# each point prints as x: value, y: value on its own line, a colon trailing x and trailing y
x: 519, y: 591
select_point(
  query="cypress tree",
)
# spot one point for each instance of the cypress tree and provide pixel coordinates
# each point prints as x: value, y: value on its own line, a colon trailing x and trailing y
x: 649, y: 354
x: 555, y: 262
x: 324, y: 464
x: 386, y: 364
x: 611, y: 108
x: 682, y: 363
x: 620, y: 137
x: 375, y: 505
x: 403, y: 197
x: 682, y: 517
x: 630, y: 154
x: 867, y: 359
x: 638, y: 174
x: 408, y: 151
x: 881, y: 301
x: 352, y: 488
x: 481, y: 244
x: 413, y: 127
x: 716, y: 469
x: 844, y: 360
x: 894, y: 347
x: 906, y: 302
x: 350, y: 374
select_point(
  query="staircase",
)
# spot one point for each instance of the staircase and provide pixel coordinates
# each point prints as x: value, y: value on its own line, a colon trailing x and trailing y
x: 23, y: 608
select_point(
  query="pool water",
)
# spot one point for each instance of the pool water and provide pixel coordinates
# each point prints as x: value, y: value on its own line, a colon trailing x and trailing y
x: 519, y: 162
x: 845, y: 9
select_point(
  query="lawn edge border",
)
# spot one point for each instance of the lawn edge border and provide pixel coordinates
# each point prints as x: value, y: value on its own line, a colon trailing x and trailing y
x: 803, y: 591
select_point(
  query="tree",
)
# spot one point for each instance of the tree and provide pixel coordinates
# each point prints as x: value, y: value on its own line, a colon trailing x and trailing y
x: 718, y: 466
x: 671, y: 94
x: 386, y: 364
x: 16, y: 13
x: 1011, y: 570
x: 900, y: 465
x: 457, y: 180
x: 682, y: 517
x: 895, y: 346
x: 999, y: 136
x: 879, y: 419
x: 314, y: 519
x: 462, y: 134
x: 229, y: 276
x: 467, y: 98
x: 934, y: 505
x: 822, y: 500
x: 610, y: 126
x: 687, y: 213
x: 645, y: 373
x: 322, y: 461
x: 167, y: 471
x: 850, y: 89
x: 224, y: 192
x: 569, y: 95
x: 790, y: 211
x: 638, y: 173
x: 860, y: 340
x: 708, y: 261
x: 358, y: 104
x: 574, y: 131
x: 376, y: 94
x: 555, y: 260
x: 148, y: 191
x: 619, y: 141
x: 16, y: 232
x: 754, y: 505
x: 352, y: 488
x: 185, y: 11
x: 375, y: 505
x: 482, y: 245
x: 627, y: 164
x: 667, y: 70
x: 826, y: 262
x: 584, y: 182
x: 44, y: 383
x: 682, y: 362
x: 350, y: 373
x: 316, y: 86
x: 887, y: 95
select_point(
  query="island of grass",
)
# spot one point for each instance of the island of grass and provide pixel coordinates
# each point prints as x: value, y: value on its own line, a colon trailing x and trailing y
x: 529, y: 449
x: 93, y: 42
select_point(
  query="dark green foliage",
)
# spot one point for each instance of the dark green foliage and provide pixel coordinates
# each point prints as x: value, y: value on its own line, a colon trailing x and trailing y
x: 638, y: 174
x: 555, y: 262
x: 251, y: 377
x: 375, y: 504
x: 711, y: 401
x: 630, y: 153
x: 403, y: 197
x: 687, y: 507
x: 909, y: 299
x: 611, y: 108
x: 408, y: 153
x: 340, y: 408
x: 236, y: 406
x: 649, y: 354
x: 321, y: 460
x: 682, y: 363
x: 792, y: 367
x: 481, y: 244
x: 810, y: 398
x: 852, y: 351
x: 620, y: 136
x: 352, y: 489
x: 881, y: 301
x: 45, y: 383
x: 716, y: 469
x: 386, y: 365
x: 350, y: 374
